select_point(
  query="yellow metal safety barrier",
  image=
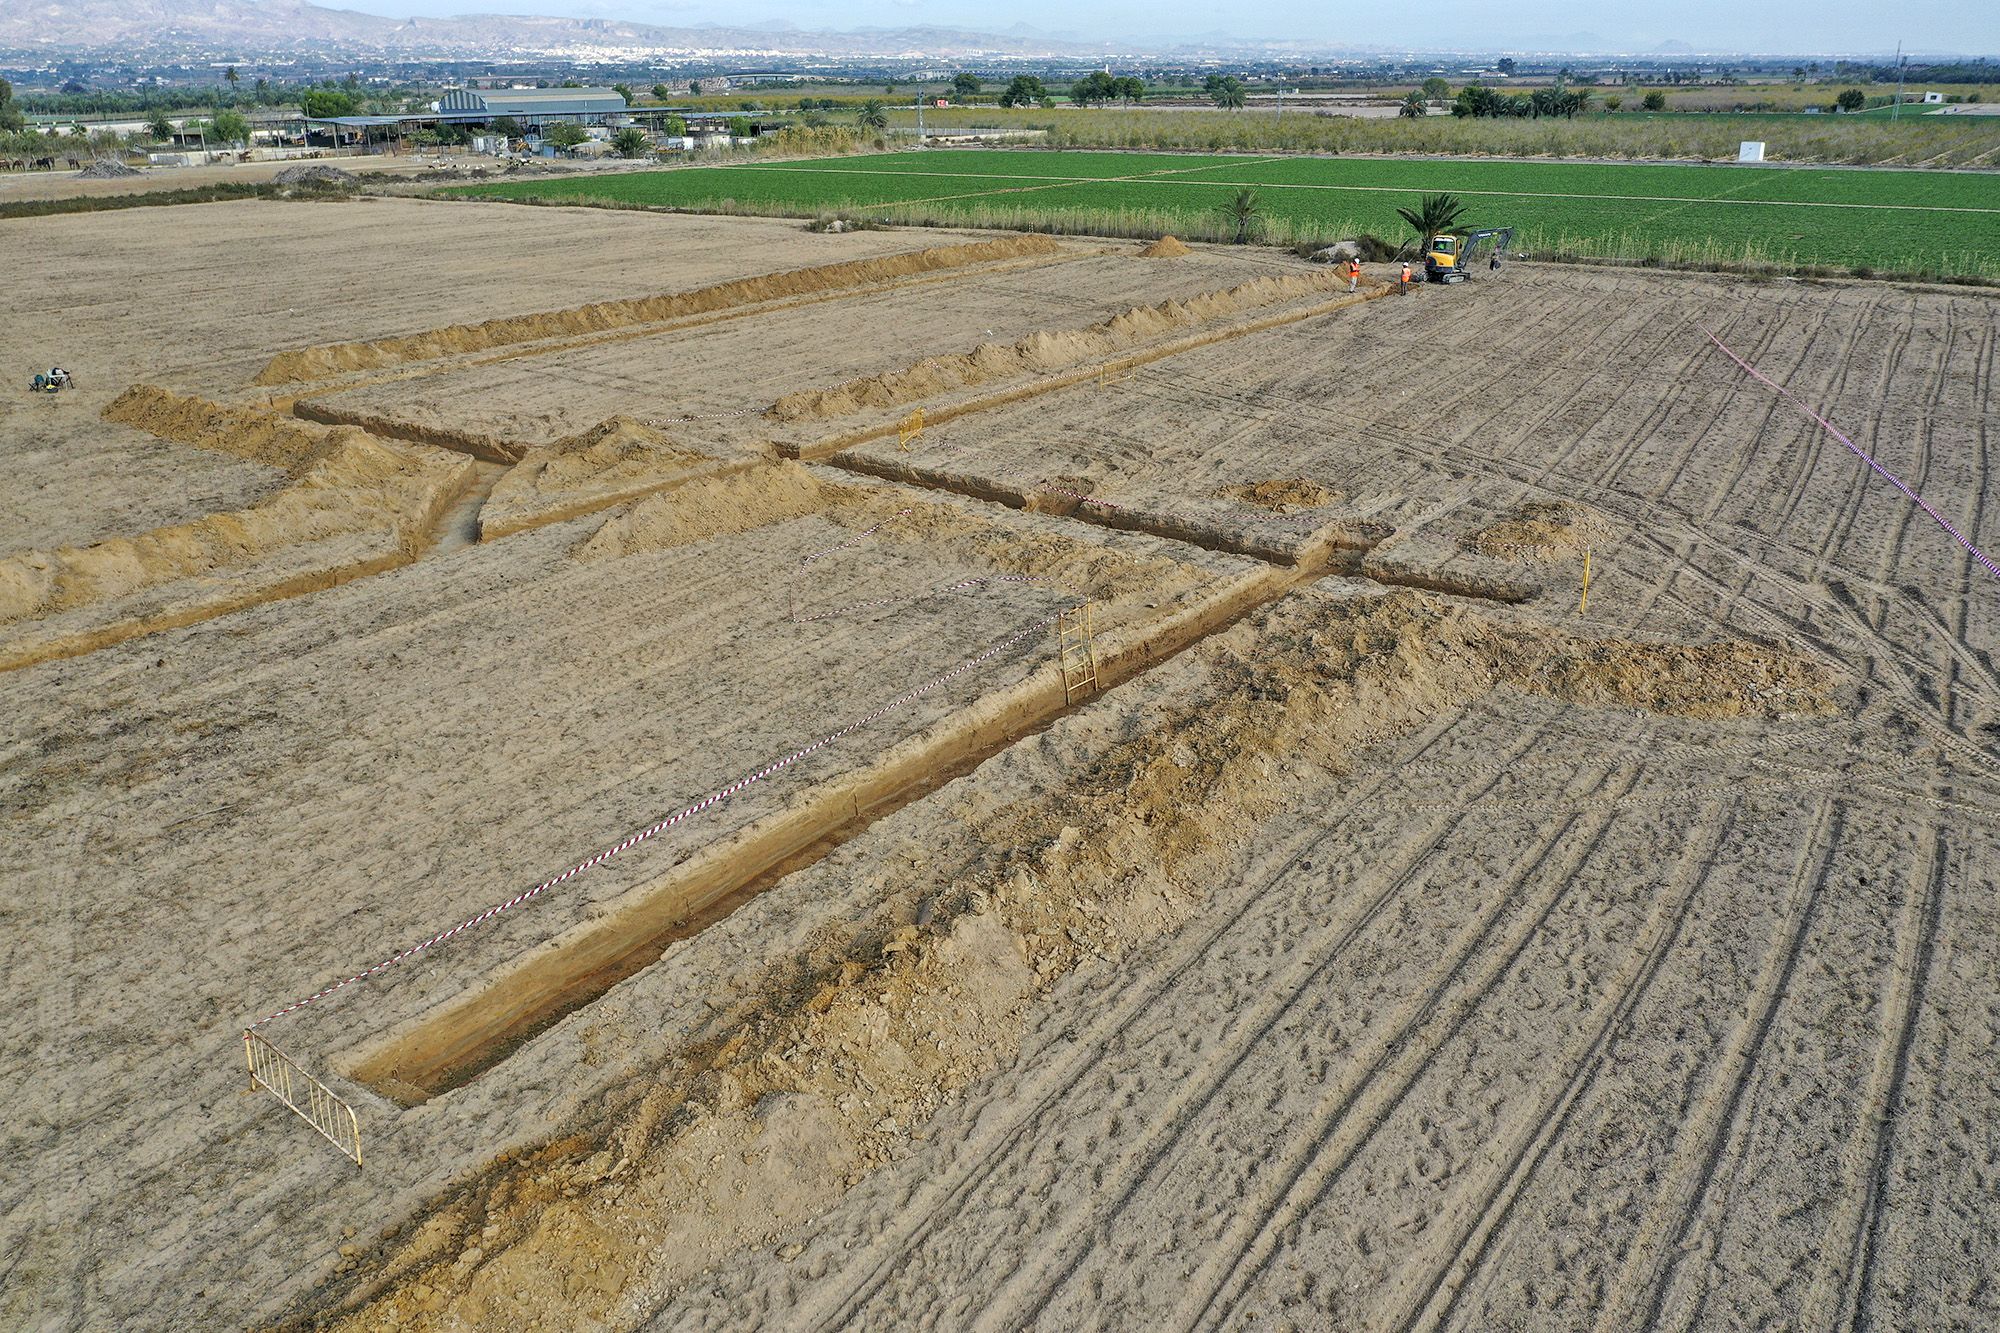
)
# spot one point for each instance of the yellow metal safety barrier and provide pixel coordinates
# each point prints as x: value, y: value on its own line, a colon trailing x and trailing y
x: 1076, y: 653
x: 311, y: 1100
x: 913, y: 426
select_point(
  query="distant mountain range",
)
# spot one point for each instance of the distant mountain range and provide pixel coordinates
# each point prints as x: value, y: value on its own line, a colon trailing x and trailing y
x: 258, y: 27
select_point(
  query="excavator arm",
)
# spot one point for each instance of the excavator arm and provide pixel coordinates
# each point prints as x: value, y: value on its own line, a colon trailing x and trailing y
x: 1450, y: 259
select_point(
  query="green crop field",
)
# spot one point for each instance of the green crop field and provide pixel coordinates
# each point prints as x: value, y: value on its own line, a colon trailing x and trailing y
x: 1938, y: 222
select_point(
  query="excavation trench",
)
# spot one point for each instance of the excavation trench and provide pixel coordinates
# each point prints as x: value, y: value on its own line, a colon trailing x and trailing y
x: 937, y: 413
x: 1326, y: 546
x: 1343, y: 546
x: 487, y: 448
x: 452, y: 363
x: 458, y: 525
x: 463, y: 1037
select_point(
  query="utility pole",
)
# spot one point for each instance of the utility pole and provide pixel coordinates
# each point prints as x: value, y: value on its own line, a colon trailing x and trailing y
x: 920, y: 113
x: 1896, y: 111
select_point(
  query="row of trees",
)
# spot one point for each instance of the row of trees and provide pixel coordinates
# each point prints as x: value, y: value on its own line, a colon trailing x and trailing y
x: 1480, y: 102
x: 224, y: 127
x: 1098, y: 88
x: 30, y: 145
x: 232, y: 93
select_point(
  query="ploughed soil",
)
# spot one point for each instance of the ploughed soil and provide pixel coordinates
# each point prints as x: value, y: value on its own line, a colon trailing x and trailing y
x: 1354, y: 926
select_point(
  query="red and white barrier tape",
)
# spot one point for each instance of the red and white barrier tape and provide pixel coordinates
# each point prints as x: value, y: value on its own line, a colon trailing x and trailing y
x: 724, y: 794
x: 1863, y: 455
x: 708, y: 802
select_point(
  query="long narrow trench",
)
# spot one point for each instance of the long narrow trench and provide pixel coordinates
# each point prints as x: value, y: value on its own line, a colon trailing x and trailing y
x: 1326, y: 544
x: 458, y: 526
x: 1346, y: 546
x: 471, y: 1033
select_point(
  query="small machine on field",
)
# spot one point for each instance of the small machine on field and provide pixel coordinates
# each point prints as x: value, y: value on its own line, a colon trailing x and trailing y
x: 54, y: 382
x: 1451, y: 255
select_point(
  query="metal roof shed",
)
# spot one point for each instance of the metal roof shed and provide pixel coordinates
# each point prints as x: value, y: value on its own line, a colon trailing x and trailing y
x: 535, y: 105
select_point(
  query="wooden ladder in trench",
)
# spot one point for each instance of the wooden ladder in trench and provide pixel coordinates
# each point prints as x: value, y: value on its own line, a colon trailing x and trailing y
x: 1076, y: 653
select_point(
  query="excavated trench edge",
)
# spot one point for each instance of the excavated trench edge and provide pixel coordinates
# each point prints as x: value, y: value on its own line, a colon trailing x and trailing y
x: 463, y: 1037
x: 493, y: 450
x: 813, y: 450
x: 423, y: 531
x: 1310, y: 543
x: 488, y: 448
x: 1345, y: 546
x: 455, y: 362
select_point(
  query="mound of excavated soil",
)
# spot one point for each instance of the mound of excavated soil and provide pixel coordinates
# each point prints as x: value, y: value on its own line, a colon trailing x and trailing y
x: 1165, y: 248
x: 312, y: 363
x: 258, y: 434
x: 614, y: 460
x: 951, y: 533
x: 1541, y: 532
x: 366, y: 506
x: 106, y: 168
x: 1048, y: 350
x: 1281, y: 496
x: 314, y: 175
x: 710, y: 508
x: 1032, y: 889
x: 612, y: 445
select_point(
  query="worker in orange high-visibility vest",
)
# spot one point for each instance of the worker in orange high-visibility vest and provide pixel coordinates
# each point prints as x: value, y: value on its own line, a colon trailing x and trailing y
x: 1404, y: 280
x: 1353, y: 275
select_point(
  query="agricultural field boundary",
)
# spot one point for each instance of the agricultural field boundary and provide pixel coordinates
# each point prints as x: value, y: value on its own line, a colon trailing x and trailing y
x: 1142, y: 177
x: 1805, y: 219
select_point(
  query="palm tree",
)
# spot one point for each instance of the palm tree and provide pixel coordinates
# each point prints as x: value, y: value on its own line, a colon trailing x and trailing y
x: 872, y: 115
x: 1243, y: 210
x: 1434, y: 215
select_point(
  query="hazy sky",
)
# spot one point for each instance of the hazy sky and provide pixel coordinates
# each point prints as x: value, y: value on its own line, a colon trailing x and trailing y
x: 1766, y: 26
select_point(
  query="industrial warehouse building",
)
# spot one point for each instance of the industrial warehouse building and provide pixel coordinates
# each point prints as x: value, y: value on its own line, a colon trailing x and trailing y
x: 534, y: 112
x: 533, y: 107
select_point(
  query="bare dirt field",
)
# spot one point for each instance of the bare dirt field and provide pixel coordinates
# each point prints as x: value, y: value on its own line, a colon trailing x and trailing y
x: 914, y: 778
x: 18, y: 185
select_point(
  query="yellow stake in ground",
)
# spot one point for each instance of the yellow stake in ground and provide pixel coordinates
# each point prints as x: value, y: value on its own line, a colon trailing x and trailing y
x: 1583, y: 606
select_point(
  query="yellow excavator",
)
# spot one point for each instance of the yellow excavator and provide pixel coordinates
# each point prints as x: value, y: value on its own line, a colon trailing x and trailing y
x: 1451, y: 255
